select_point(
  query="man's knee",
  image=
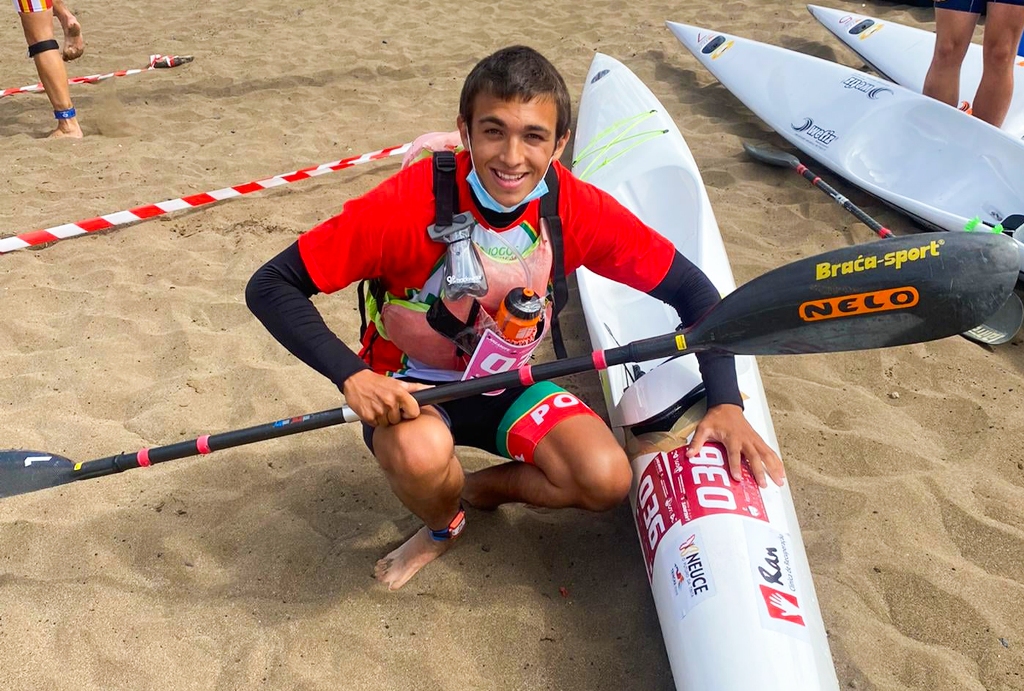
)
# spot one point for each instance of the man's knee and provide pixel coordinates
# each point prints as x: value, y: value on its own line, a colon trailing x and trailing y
x: 604, y: 483
x: 414, y: 457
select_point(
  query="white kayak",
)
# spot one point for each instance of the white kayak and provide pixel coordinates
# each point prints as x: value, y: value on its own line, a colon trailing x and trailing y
x: 726, y: 562
x: 931, y: 162
x: 903, y: 53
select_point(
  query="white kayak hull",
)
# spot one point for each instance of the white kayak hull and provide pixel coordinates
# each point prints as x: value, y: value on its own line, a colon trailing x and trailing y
x: 931, y: 162
x: 903, y: 53
x: 727, y: 565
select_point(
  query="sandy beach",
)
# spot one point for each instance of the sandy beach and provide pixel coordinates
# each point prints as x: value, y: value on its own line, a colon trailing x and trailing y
x: 251, y: 568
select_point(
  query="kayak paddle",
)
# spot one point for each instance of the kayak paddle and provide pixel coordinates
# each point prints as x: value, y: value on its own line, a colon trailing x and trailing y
x: 908, y: 290
x: 1014, y: 223
x: 998, y: 328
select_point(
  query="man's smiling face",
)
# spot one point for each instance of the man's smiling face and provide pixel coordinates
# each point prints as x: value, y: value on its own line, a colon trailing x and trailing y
x: 512, y: 144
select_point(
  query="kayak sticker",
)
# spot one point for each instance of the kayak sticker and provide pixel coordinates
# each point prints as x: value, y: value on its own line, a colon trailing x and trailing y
x: 690, y: 574
x: 617, y: 140
x: 673, y: 490
x: 817, y: 135
x: 874, y: 91
x: 715, y: 46
x: 599, y: 75
x: 718, y: 53
x: 684, y: 562
x: 676, y: 489
x: 655, y: 509
x: 861, y: 29
x: 870, y: 31
x: 704, y: 486
x: 770, y: 554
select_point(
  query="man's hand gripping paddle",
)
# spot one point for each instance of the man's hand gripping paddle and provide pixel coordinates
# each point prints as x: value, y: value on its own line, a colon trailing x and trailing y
x: 998, y: 328
x: 906, y: 290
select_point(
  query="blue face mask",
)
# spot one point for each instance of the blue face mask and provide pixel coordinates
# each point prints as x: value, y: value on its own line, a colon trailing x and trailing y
x: 489, y: 202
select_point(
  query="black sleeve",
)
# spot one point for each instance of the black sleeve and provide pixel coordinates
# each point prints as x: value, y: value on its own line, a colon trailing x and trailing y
x: 278, y: 294
x: 692, y: 294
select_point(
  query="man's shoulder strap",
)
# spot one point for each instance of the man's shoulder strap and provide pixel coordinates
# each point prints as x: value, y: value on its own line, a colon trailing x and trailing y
x: 560, y: 293
x: 446, y: 204
x: 446, y: 192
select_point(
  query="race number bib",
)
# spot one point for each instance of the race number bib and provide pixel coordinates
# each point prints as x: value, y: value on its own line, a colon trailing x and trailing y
x: 494, y: 355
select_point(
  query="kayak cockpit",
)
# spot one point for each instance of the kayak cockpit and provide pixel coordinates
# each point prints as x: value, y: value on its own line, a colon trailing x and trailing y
x: 938, y: 157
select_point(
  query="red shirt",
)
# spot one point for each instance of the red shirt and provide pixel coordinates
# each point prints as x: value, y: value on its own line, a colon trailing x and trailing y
x: 383, y: 235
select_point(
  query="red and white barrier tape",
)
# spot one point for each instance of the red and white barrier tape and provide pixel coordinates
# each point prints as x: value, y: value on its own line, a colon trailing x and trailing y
x: 156, y: 62
x: 141, y: 213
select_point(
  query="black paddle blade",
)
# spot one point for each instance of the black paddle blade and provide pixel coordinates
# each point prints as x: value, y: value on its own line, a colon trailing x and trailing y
x: 28, y: 471
x: 1002, y: 326
x: 875, y: 295
x: 1013, y: 221
x: 771, y: 156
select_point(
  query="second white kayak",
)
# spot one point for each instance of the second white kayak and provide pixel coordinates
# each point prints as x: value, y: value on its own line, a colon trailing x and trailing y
x: 934, y: 163
x: 903, y: 53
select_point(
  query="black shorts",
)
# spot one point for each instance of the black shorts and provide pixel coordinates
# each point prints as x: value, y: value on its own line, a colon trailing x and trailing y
x: 473, y: 421
x: 972, y: 6
x: 509, y: 424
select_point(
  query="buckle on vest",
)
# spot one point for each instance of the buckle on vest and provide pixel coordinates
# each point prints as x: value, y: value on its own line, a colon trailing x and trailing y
x: 445, y: 161
x: 454, y: 232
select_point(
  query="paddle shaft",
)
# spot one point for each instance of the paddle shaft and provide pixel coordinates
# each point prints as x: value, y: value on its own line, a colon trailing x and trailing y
x: 843, y: 201
x: 852, y: 298
x: 638, y: 351
x: 774, y: 157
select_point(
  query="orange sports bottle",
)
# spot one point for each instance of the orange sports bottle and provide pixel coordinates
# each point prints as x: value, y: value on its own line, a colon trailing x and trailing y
x: 518, y: 316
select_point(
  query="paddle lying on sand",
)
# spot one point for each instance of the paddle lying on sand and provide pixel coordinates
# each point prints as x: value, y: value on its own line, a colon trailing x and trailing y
x: 908, y: 290
x: 998, y: 328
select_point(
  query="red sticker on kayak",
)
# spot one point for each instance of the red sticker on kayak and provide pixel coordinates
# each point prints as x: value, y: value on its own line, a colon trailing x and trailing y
x: 782, y: 606
x: 705, y: 487
x: 674, y: 488
x: 656, y: 509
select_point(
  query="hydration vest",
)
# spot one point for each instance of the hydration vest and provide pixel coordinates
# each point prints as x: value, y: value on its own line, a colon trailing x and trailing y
x: 429, y: 333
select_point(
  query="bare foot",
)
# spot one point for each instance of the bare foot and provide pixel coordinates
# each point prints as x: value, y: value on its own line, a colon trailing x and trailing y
x: 69, y: 129
x: 397, y: 568
x: 74, y: 44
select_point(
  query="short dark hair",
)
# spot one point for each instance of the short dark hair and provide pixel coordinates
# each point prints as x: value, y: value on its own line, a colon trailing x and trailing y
x: 517, y: 73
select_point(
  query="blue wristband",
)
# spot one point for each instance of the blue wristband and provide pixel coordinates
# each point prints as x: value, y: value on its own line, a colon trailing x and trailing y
x: 64, y: 114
